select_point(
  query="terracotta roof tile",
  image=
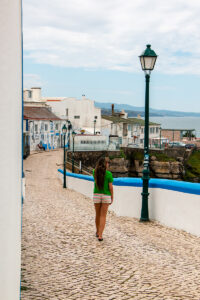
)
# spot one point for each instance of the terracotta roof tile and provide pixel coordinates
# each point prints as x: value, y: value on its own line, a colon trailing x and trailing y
x: 39, y: 113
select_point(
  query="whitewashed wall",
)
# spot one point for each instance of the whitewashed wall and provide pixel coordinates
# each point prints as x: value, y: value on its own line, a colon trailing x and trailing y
x: 89, y: 142
x: 50, y: 138
x: 10, y: 150
x: 85, y: 109
x: 175, y: 209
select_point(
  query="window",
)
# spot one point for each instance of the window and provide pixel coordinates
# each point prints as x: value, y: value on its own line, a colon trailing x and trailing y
x: 157, y: 129
x: 67, y: 112
x: 96, y: 117
x: 56, y: 127
x: 142, y: 130
x: 36, y: 128
x: 42, y: 126
x: 29, y: 94
x: 152, y: 129
x: 129, y: 127
x: 76, y: 117
x: 46, y: 127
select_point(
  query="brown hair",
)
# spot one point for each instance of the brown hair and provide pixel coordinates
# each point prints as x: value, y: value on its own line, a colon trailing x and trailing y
x: 100, y: 171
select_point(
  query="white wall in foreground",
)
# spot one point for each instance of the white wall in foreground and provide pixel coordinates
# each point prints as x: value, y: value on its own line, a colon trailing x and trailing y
x: 174, y: 209
x: 10, y: 148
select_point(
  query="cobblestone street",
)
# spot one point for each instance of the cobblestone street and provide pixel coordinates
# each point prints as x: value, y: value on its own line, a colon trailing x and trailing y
x: 62, y: 259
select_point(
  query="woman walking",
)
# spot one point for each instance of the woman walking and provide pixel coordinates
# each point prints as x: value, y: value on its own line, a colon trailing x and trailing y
x: 103, y: 194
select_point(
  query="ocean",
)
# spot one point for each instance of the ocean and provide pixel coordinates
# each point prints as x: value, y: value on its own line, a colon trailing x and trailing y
x: 179, y: 123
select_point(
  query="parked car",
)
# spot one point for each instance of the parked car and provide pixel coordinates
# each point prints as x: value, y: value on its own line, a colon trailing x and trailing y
x: 176, y: 144
x: 190, y: 146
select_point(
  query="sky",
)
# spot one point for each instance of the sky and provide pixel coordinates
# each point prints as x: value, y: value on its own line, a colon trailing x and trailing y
x: 91, y: 47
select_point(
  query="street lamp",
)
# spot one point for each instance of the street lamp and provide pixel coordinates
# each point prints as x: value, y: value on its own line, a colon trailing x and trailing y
x: 73, y: 136
x: 69, y: 128
x: 148, y: 60
x: 64, y: 130
x: 94, y: 126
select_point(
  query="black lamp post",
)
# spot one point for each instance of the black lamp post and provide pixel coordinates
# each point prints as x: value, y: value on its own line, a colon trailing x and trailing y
x: 94, y: 126
x: 148, y: 60
x: 73, y: 136
x: 64, y: 130
x: 69, y: 127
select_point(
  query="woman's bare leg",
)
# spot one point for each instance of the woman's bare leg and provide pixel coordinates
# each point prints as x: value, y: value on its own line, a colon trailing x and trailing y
x: 97, y: 217
x: 103, y: 214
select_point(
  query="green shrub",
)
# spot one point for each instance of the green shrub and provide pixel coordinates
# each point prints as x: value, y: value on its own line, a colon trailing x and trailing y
x: 188, y: 175
x: 119, y: 155
x: 122, y: 154
x: 112, y: 157
x: 138, y: 155
x: 192, y: 166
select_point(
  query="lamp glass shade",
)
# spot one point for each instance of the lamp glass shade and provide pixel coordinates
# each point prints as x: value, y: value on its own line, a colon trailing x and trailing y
x: 148, y: 59
x: 73, y: 134
x: 64, y: 129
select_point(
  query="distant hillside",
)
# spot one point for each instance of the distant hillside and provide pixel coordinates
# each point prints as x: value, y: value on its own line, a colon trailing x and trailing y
x: 131, y: 113
x: 135, y: 110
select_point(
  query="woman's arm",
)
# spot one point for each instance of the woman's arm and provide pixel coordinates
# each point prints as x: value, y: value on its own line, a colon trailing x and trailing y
x: 111, y: 191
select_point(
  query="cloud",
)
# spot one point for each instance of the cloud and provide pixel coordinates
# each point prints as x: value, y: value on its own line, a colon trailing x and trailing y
x: 31, y: 80
x: 110, y: 34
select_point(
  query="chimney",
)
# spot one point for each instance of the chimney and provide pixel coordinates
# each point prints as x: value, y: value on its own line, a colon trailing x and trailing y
x: 36, y: 93
x: 113, y: 111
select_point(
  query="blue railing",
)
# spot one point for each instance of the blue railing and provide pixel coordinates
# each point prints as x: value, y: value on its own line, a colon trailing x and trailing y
x: 166, y: 184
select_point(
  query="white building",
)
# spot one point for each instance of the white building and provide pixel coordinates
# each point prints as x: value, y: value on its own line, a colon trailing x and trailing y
x: 85, y: 118
x: 33, y: 97
x: 125, y: 131
x: 44, y: 128
x: 85, y: 142
x: 11, y: 148
x: 82, y: 114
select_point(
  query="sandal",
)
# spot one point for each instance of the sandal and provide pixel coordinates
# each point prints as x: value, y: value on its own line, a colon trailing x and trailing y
x: 100, y: 240
x: 97, y: 235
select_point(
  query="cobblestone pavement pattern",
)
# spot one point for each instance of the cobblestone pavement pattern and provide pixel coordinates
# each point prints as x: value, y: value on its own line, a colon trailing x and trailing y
x: 62, y: 259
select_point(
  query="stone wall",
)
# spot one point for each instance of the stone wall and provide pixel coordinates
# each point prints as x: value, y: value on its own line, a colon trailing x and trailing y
x: 173, y: 168
x: 90, y: 158
x: 118, y: 165
x: 170, y: 152
x: 129, y: 162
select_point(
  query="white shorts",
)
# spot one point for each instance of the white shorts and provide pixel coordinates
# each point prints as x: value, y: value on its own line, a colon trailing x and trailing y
x: 101, y: 198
